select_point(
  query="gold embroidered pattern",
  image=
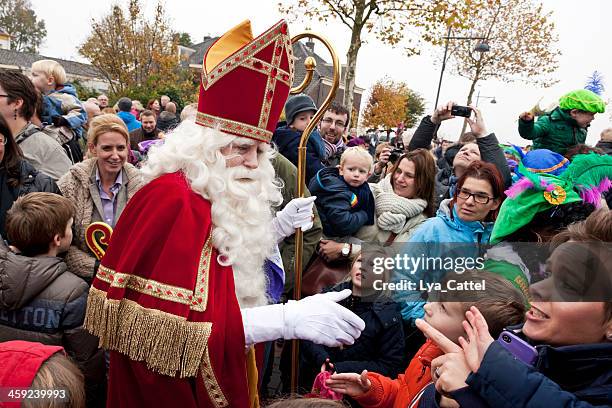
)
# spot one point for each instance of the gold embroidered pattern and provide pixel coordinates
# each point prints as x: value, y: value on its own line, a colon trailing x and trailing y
x: 271, y: 84
x: 145, y: 286
x: 210, y: 382
x: 200, y: 294
x: 268, y: 69
x: 230, y: 63
x: 234, y: 127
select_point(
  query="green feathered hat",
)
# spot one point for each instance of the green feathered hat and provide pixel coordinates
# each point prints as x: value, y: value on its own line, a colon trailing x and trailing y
x: 584, y: 100
x: 585, y: 179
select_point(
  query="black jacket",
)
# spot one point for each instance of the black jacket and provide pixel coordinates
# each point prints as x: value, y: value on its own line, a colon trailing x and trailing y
x: 490, y: 152
x: 31, y: 181
x: 287, y: 141
x: 568, y: 376
x: 41, y: 301
x: 167, y: 121
x: 380, y: 348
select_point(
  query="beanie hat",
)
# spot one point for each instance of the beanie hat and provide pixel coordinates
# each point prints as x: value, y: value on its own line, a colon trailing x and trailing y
x: 296, y: 104
x: 582, y: 99
x: 585, y: 179
x: 124, y: 104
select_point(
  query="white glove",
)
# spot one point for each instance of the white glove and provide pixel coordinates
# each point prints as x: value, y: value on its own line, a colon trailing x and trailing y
x: 296, y: 214
x: 392, y: 222
x: 316, y: 318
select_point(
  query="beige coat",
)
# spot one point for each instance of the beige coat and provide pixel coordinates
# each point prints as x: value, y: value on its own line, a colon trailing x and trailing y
x: 80, y: 187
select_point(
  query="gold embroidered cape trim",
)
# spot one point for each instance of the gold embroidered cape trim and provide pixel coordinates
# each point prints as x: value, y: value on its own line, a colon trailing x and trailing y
x: 200, y: 294
x: 168, y: 344
x: 196, y: 299
x: 231, y: 126
x: 145, y: 286
x: 211, y: 384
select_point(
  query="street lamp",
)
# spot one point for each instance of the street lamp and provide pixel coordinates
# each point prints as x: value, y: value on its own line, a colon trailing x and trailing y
x: 480, y: 47
x: 479, y: 96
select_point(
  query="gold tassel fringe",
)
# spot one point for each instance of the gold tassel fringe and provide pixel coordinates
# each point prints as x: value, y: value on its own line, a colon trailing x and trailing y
x: 170, y: 345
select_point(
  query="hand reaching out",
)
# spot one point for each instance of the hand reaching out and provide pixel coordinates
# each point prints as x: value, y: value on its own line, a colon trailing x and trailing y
x: 526, y: 116
x: 477, y: 125
x: 351, y: 384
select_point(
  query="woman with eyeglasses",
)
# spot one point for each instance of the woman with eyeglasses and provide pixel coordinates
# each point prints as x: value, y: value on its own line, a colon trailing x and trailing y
x: 17, y: 176
x: 462, y: 224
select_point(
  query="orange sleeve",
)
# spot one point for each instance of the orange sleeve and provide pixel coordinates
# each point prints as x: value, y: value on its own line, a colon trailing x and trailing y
x: 383, y: 392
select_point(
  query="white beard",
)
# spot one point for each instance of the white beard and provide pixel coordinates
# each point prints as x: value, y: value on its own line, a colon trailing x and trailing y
x: 242, y: 232
x: 241, y: 210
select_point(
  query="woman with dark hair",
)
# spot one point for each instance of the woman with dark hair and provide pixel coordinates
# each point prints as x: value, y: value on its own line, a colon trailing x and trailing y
x: 18, y: 102
x: 467, y: 218
x: 154, y: 105
x: 17, y: 176
x: 403, y: 201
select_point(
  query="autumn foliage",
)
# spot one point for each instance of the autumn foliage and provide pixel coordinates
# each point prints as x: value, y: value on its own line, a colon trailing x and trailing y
x: 390, y: 103
x: 393, y: 22
x: 136, y: 54
x: 522, y: 40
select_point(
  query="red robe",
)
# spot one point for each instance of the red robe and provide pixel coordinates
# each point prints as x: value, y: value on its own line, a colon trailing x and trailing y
x: 165, y: 308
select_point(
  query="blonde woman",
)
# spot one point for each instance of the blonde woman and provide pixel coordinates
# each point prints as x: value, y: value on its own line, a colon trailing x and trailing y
x: 99, y: 187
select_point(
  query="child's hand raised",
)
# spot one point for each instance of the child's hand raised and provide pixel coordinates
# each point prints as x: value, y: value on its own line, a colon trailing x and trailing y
x: 479, y: 339
x: 351, y: 384
x: 327, y: 366
x: 526, y: 116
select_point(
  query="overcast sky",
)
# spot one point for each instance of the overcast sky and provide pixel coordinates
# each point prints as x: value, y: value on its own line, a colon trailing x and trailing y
x: 584, y: 39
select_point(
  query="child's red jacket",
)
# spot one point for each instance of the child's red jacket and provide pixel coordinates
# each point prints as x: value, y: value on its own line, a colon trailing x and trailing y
x: 400, y: 393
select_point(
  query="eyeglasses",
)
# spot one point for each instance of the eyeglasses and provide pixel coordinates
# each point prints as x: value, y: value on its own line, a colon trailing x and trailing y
x: 4, y: 95
x: 339, y: 124
x: 479, y: 198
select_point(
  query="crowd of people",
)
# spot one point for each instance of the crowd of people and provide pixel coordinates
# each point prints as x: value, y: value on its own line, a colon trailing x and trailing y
x: 201, y: 262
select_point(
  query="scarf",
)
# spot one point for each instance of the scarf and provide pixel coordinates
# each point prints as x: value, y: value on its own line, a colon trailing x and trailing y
x: 332, y: 148
x: 392, y: 211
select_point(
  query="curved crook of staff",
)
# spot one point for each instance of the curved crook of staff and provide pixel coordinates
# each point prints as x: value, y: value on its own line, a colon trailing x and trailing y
x: 310, y: 65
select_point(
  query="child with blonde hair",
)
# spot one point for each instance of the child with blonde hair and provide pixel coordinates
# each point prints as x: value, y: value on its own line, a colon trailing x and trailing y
x: 61, y: 106
x: 344, y: 199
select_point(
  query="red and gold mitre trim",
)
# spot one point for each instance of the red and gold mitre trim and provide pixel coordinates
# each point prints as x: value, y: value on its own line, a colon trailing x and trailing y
x: 245, y: 82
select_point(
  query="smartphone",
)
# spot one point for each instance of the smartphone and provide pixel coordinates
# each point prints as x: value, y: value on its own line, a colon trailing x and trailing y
x: 464, y: 111
x: 519, y: 348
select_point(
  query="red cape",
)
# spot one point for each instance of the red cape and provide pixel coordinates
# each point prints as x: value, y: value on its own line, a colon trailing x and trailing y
x: 165, y: 308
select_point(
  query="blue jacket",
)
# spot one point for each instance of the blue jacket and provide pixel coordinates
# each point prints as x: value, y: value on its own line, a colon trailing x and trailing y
x: 130, y: 120
x: 343, y: 209
x: 64, y: 102
x: 287, y: 141
x: 438, y: 237
x: 577, y: 376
